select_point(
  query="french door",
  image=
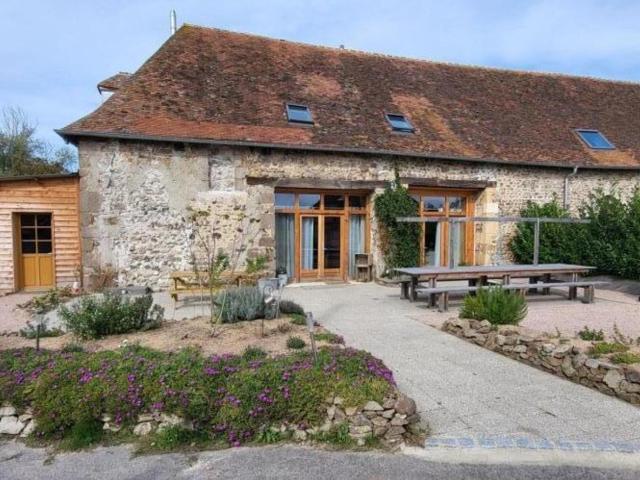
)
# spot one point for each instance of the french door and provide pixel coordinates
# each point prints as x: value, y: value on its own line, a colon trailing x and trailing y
x: 321, y: 246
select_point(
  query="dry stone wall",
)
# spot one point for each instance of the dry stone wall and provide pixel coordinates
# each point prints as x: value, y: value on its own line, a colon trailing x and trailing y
x: 135, y: 197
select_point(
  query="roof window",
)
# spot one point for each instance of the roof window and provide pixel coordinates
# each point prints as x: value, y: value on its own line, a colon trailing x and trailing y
x: 299, y: 114
x: 594, y: 139
x: 399, y: 123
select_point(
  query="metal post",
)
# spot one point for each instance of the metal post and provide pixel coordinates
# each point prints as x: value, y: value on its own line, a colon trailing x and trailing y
x: 536, y: 242
x: 309, y: 318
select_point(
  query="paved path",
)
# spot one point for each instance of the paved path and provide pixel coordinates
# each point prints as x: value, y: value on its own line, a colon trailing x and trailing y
x: 18, y: 462
x: 472, y: 398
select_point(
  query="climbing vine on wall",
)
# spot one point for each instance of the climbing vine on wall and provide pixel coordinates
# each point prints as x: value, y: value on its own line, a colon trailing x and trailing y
x: 399, y: 241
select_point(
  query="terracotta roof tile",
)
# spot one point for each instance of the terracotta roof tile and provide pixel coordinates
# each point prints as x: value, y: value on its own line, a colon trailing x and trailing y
x: 213, y: 85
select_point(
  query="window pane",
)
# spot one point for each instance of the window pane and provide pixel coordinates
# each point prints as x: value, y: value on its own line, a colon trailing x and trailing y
x: 458, y: 240
x: 309, y: 200
x: 456, y: 205
x: 44, y: 234
x: 595, y: 139
x: 44, y: 247
x: 285, y: 200
x: 299, y: 113
x: 357, y: 201
x: 27, y: 219
x: 44, y: 220
x: 433, y: 204
x: 285, y: 243
x: 400, y: 122
x: 309, y: 239
x: 432, y: 236
x: 332, y: 242
x: 28, y: 233
x: 334, y: 201
x: 28, y: 247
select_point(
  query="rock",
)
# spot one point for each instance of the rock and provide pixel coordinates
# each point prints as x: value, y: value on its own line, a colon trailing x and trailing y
x: 312, y: 431
x: 143, y: 429
x: 509, y: 330
x: 29, y: 429
x: 520, y: 349
x: 326, y: 426
x: 373, y: 406
x: 7, y: 411
x: 331, y: 412
x: 299, y: 435
x: 510, y: 340
x: 379, y: 422
x: 339, y: 415
x: 525, y: 339
x: 462, y: 323
x: 484, y: 326
x: 592, y: 363
x: 388, y: 413
x: 10, y: 425
x: 609, y: 366
x: 629, y: 387
x: 379, y: 431
x: 338, y: 401
x: 145, y: 417
x: 360, y: 420
x: 111, y: 427
x: 480, y: 339
x: 633, y: 374
x: 567, y: 367
x: 398, y: 421
x: 370, y: 414
x: 106, y: 418
x: 612, y: 379
x: 562, y: 350
x: 388, y: 403
x: 360, y: 430
x: 405, y: 405
x: 329, y: 400
x: 394, y: 431
x: 548, y: 347
x: 579, y: 360
x: 171, y: 419
x: 500, y: 339
x: 25, y: 417
x: 350, y: 411
x: 415, y: 418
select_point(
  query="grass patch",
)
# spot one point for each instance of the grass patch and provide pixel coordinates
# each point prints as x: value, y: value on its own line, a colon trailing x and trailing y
x: 604, y: 348
x: 591, y: 335
x: 498, y: 306
x: 296, y: 343
x: 626, y: 357
x: 329, y: 338
x: 83, y: 434
x: 298, y: 319
x: 175, y: 437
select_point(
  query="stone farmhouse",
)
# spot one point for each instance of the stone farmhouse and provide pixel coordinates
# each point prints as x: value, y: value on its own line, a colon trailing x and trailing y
x: 287, y: 144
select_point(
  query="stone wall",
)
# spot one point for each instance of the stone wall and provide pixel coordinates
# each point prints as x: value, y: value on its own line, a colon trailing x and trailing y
x: 136, y: 196
x: 561, y: 357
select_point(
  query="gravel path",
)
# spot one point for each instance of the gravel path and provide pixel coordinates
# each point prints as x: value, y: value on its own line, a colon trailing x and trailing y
x: 470, y: 396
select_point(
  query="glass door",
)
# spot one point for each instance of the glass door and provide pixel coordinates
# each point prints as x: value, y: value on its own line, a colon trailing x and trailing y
x: 332, y: 246
x: 309, y: 246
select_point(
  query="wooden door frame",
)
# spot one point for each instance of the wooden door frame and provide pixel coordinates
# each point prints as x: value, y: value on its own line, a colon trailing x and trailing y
x: 343, y: 214
x: 18, y: 276
x: 469, y: 231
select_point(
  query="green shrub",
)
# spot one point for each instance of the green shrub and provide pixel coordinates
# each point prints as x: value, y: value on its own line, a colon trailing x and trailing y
x: 48, y: 301
x: 242, y: 303
x: 593, y: 335
x: 329, y: 338
x: 610, y: 242
x: 295, y: 343
x: 298, y: 319
x: 253, y: 352
x: 258, y: 264
x: 498, y: 306
x: 111, y: 314
x: 84, y: 433
x: 290, y: 307
x: 399, y: 241
x: 626, y: 357
x: 604, y: 348
x: 227, y: 398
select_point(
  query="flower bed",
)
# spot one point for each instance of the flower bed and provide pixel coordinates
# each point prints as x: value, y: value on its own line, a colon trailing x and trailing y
x: 568, y: 358
x: 222, y: 398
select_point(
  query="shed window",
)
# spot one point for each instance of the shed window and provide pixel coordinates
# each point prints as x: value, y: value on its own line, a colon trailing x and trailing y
x: 400, y: 123
x: 299, y: 114
x: 595, y: 139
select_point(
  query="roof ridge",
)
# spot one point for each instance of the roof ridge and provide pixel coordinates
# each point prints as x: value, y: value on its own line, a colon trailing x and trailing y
x: 419, y: 60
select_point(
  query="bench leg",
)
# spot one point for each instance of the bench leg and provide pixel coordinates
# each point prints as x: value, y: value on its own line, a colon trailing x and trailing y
x: 546, y: 290
x: 443, y: 302
x: 412, y: 291
x: 533, y: 280
x: 589, y: 294
x: 573, y: 293
x: 432, y: 300
x: 404, y: 290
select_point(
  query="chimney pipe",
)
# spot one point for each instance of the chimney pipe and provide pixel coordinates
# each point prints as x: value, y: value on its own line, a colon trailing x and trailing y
x: 173, y: 21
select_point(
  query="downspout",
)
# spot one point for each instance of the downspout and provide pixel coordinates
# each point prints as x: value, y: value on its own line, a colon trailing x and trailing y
x: 565, y: 202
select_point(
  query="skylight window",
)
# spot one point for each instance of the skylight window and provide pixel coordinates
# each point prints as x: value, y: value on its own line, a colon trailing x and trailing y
x: 399, y: 123
x: 594, y: 139
x: 299, y: 114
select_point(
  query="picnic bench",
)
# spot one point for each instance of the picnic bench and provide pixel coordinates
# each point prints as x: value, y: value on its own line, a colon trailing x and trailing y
x: 192, y: 284
x: 541, y: 276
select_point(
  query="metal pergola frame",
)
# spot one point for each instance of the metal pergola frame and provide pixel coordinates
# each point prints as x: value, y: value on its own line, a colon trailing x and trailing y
x: 535, y: 220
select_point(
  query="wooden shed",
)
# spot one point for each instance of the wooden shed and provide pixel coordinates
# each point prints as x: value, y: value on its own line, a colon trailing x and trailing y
x: 39, y: 232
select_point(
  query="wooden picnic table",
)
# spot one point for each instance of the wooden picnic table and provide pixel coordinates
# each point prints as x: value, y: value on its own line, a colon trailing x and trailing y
x: 481, y: 274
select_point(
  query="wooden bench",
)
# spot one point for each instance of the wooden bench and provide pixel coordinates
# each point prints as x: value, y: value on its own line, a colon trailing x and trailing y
x: 192, y: 284
x: 442, y: 293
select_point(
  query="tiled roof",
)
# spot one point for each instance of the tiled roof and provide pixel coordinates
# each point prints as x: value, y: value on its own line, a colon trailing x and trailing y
x: 206, y: 84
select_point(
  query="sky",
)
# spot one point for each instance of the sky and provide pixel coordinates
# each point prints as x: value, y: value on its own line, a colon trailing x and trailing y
x: 54, y: 52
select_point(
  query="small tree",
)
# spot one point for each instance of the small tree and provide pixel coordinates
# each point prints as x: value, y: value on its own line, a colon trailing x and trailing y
x: 400, y: 241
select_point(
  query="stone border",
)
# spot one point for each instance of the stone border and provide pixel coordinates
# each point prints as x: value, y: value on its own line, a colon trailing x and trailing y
x: 393, y: 423
x: 554, y: 355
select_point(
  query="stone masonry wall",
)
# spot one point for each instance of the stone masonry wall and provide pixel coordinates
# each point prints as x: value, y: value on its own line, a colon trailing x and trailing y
x: 136, y: 196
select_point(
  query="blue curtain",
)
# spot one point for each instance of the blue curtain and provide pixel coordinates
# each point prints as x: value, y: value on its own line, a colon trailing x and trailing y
x: 356, y: 241
x: 285, y: 242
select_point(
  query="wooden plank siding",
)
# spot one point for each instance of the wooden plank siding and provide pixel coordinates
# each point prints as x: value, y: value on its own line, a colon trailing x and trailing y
x: 58, y: 196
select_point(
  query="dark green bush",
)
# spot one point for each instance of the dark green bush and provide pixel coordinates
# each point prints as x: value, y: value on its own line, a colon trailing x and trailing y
x: 399, y: 241
x: 298, y: 319
x: 626, y: 357
x: 242, y: 303
x: 610, y: 242
x: 291, y: 307
x: 111, y: 314
x: 295, y: 343
x: 253, y: 352
x: 498, y: 306
x: 604, y: 348
x: 588, y: 334
x: 228, y: 397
